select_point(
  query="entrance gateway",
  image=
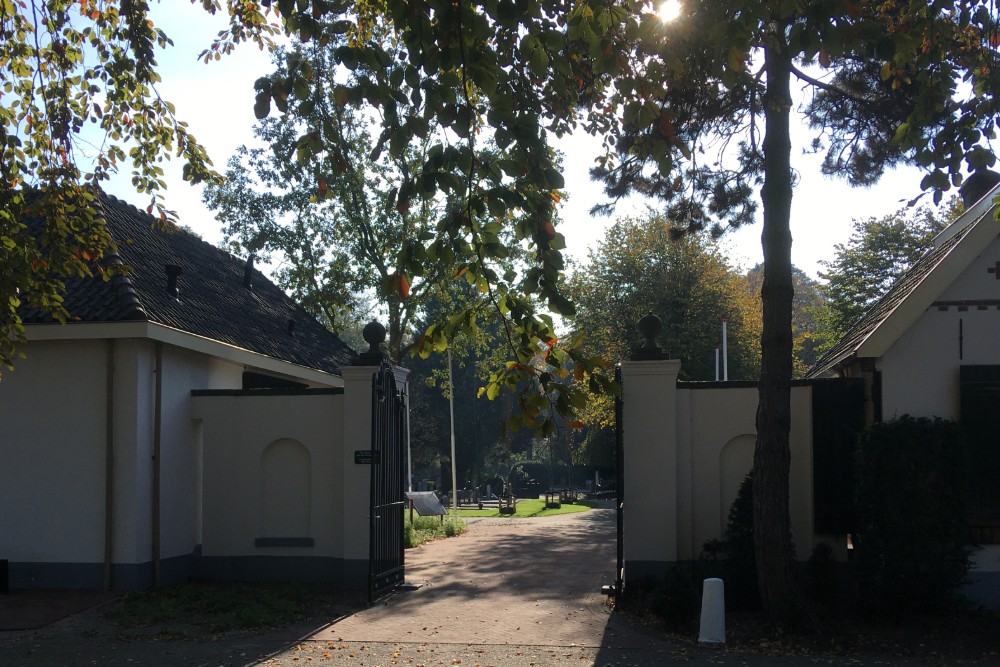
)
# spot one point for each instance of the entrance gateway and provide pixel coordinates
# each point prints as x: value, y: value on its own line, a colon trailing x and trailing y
x: 385, y: 561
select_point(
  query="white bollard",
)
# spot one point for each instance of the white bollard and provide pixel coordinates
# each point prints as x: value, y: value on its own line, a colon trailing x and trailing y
x: 713, y: 612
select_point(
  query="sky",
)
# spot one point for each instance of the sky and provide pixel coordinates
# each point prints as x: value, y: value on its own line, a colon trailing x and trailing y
x: 216, y: 100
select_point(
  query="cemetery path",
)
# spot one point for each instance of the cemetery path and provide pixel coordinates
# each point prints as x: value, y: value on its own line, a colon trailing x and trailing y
x: 517, y: 581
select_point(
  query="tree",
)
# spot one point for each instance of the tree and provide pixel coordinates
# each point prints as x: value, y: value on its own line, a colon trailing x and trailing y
x: 333, y: 224
x: 878, y: 252
x: 480, y: 434
x: 883, y: 83
x: 891, y: 82
x: 641, y: 268
x: 809, y: 316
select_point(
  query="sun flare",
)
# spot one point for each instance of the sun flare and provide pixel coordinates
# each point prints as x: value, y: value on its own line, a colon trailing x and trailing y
x: 669, y: 10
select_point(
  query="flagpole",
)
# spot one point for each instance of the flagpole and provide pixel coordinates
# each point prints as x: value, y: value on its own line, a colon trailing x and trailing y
x: 451, y: 408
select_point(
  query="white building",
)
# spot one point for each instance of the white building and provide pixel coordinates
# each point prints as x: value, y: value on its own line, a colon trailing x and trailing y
x: 187, y: 420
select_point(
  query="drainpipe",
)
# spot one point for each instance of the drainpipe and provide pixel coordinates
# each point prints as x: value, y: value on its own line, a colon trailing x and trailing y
x: 157, y: 428
x: 725, y: 352
x: 109, y: 463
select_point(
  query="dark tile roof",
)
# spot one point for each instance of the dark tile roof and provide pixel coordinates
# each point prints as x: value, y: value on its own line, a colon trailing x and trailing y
x: 212, y: 300
x: 877, y: 314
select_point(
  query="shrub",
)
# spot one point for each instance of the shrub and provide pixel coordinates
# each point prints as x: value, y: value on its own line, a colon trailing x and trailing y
x: 738, y: 562
x: 911, y: 551
x: 821, y: 580
x: 453, y: 527
x: 676, y: 596
x: 426, y: 528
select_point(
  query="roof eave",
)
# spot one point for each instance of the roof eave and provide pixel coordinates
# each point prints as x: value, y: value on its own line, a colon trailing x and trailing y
x: 984, y: 229
x: 182, y: 339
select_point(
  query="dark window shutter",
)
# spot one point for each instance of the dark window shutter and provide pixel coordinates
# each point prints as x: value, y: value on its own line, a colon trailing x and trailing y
x: 980, y: 418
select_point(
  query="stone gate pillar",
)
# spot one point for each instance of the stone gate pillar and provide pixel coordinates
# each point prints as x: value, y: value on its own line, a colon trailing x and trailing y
x: 356, y: 483
x: 649, y: 394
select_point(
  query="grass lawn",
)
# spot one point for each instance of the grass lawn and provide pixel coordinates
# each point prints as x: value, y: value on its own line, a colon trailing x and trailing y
x: 525, y: 508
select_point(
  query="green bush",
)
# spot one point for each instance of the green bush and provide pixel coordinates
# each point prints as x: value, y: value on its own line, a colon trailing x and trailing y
x: 821, y: 575
x: 677, y: 597
x: 735, y: 552
x: 674, y: 596
x: 426, y: 528
x: 911, y: 551
x: 409, y: 536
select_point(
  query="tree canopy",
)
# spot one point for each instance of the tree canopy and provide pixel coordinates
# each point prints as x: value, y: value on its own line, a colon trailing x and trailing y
x: 333, y: 225
x: 877, y: 253
x: 687, y: 282
x: 810, y: 321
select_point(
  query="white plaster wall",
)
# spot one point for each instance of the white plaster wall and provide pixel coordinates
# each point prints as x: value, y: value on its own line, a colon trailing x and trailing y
x: 237, y: 431
x: 355, y: 489
x: 180, y: 458
x: 977, y: 282
x: 652, y: 493
x: 133, y: 451
x: 52, y: 443
x: 721, y: 438
x: 52, y: 449
x: 285, y: 497
x: 985, y: 559
x: 920, y: 373
x: 920, y: 370
x: 686, y: 452
x: 720, y: 420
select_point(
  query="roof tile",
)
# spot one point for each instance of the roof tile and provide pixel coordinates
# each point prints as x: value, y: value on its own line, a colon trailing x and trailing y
x: 212, y: 300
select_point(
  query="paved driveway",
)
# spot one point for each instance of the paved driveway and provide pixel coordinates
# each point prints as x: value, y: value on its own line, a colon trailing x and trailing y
x: 520, y: 581
x: 518, y: 593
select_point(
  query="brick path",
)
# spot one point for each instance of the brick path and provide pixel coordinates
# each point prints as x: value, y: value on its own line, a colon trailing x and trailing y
x: 529, y: 582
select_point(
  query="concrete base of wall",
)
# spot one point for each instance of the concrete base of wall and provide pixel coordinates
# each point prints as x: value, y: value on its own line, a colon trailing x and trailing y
x: 90, y: 576
x: 982, y: 588
x: 347, y: 573
x: 640, y: 570
x: 352, y: 574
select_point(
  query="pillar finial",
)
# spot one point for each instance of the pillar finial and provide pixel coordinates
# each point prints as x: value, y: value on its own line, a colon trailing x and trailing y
x: 374, y: 334
x: 649, y: 328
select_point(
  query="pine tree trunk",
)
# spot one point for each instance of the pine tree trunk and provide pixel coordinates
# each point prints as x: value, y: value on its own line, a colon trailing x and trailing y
x: 776, y: 569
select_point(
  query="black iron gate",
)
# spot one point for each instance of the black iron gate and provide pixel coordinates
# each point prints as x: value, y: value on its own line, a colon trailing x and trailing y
x: 619, y: 486
x: 385, y: 554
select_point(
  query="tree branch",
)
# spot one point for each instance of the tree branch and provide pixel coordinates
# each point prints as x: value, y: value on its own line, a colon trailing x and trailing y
x: 822, y: 85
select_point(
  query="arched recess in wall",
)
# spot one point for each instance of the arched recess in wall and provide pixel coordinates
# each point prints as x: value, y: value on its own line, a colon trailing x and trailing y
x: 285, y: 490
x: 735, y: 461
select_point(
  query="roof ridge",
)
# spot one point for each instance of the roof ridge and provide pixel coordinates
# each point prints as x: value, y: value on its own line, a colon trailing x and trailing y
x: 214, y: 303
x: 121, y: 285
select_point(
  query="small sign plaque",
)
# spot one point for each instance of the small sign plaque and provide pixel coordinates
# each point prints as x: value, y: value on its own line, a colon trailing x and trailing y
x: 367, y: 457
x: 426, y: 503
